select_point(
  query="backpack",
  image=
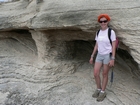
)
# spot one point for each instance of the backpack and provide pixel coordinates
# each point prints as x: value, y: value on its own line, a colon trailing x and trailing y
x: 109, y: 37
x: 117, y: 45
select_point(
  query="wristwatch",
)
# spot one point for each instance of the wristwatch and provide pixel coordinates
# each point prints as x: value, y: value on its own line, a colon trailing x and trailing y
x: 112, y: 58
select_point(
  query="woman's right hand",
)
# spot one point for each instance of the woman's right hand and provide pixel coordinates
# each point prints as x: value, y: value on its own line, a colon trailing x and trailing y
x: 91, y: 60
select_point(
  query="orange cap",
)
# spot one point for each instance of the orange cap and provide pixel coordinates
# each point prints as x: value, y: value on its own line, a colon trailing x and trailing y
x: 103, y: 15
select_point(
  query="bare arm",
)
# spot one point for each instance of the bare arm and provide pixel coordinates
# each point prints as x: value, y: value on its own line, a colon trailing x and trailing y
x: 93, y: 53
x: 111, y: 63
x: 95, y: 50
x: 113, y: 49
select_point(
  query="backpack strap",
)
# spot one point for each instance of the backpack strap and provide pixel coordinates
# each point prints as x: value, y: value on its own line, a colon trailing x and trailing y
x: 109, y: 36
x: 98, y: 32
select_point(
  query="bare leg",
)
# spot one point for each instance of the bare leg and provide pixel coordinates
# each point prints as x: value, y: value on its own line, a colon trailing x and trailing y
x: 97, y: 68
x: 106, y: 69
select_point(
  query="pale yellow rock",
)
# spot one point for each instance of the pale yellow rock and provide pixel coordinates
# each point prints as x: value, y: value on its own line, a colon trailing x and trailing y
x: 45, y: 46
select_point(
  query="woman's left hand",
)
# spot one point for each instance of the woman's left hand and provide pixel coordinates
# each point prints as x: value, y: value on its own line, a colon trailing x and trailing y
x: 111, y: 63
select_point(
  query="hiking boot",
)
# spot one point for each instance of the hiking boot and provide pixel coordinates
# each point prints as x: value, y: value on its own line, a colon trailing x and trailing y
x: 96, y: 94
x: 101, y: 96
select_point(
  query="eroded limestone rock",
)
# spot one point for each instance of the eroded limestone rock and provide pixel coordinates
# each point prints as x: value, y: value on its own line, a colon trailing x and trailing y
x: 45, y: 48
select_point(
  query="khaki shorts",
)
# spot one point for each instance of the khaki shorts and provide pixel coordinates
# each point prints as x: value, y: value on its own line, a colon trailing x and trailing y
x: 103, y: 58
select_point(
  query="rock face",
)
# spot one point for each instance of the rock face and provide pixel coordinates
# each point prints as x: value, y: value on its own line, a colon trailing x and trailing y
x: 45, y: 48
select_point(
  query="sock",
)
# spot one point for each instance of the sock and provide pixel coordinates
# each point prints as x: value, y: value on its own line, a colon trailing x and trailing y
x: 99, y: 89
x: 102, y: 91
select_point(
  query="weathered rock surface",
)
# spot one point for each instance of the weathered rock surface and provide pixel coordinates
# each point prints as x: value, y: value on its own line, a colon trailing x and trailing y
x: 45, y: 48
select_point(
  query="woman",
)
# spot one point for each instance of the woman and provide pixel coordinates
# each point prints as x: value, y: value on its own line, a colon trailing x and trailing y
x: 105, y: 56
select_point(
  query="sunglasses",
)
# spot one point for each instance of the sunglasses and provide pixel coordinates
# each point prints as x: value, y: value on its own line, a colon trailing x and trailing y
x: 103, y: 21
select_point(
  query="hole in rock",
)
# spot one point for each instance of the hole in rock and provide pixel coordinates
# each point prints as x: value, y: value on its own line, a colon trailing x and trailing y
x: 17, y: 44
